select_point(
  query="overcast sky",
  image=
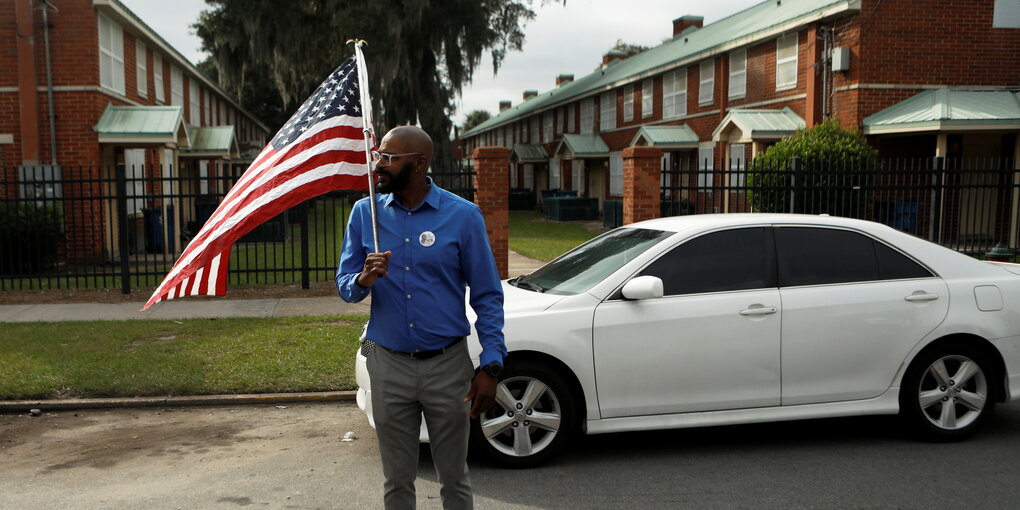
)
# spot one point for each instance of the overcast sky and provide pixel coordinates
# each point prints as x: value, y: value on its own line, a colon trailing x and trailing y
x: 562, y: 39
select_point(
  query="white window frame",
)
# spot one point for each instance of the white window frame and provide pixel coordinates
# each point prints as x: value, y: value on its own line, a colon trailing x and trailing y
x: 141, y: 68
x: 176, y: 86
x: 529, y: 176
x: 785, y: 62
x: 646, y: 99
x: 738, y: 74
x: 588, y: 116
x: 706, y: 86
x: 706, y: 165
x: 547, y: 127
x: 674, y: 94
x: 157, y: 77
x: 628, y: 103
x: 607, y: 111
x: 111, y: 55
x: 616, y: 173
x: 195, y: 102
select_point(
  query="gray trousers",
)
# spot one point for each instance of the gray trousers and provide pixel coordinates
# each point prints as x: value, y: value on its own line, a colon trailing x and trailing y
x: 403, y: 389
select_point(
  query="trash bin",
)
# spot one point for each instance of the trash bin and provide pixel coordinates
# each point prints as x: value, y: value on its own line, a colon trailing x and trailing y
x: 204, y: 208
x: 153, y: 221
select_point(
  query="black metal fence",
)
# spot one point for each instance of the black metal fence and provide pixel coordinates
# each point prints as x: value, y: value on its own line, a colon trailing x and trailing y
x: 124, y: 227
x: 969, y: 205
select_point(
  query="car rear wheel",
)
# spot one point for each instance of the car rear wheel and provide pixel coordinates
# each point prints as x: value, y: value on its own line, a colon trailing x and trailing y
x: 533, y: 417
x: 946, y: 395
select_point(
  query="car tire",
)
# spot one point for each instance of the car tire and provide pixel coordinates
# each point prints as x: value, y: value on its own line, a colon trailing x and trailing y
x: 947, y: 393
x: 533, y: 418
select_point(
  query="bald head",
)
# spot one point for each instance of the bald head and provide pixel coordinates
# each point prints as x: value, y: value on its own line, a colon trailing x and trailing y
x: 409, y: 139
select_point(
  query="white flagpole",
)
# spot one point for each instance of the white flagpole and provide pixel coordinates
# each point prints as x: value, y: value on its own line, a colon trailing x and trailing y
x: 369, y: 132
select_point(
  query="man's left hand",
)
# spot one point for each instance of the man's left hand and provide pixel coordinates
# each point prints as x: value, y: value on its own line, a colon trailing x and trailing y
x: 482, y: 393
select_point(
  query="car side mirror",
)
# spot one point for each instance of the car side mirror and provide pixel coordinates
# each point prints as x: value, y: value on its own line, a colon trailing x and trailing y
x: 643, y: 287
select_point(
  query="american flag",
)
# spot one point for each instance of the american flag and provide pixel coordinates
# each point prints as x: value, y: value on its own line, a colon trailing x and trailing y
x: 320, y: 149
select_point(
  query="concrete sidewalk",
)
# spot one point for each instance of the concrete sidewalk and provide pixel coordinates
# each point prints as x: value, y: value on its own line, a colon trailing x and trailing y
x: 206, y: 308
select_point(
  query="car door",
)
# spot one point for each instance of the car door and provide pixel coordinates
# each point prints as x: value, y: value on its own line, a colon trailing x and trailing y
x: 711, y: 342
x: 853, y: 307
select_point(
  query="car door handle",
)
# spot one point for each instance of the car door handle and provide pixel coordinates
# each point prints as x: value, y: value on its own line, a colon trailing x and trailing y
x: 922, y: 296
x: 761, y: 310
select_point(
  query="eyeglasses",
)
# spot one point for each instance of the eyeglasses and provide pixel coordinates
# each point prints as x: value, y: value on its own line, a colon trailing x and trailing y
x: 380, y: 156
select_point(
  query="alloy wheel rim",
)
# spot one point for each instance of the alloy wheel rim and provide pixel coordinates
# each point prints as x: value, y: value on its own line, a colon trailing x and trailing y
x: 953, y: 392
x: 525, y: 419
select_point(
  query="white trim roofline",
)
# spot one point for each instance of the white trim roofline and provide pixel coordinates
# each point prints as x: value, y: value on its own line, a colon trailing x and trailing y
x: 124, y: 15
x: 846, y: 7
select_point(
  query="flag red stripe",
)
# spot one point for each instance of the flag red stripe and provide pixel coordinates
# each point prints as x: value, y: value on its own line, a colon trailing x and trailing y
x: 222, y: 245
x: 228, y: 206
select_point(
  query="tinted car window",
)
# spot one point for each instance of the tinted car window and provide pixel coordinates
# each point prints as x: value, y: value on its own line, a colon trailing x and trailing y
x: 814, y: 256
x: 720, y: 261
x: 893, y: 265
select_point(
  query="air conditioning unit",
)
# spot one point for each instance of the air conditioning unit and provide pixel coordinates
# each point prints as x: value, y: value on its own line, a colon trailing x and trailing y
x: 841, y: 59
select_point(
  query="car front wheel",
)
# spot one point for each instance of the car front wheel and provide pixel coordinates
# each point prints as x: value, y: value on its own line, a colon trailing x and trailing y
x: 532, y: 419
x: 946, y: 394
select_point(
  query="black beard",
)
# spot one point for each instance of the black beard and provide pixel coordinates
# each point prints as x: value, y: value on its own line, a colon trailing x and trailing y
x: 396, y: 183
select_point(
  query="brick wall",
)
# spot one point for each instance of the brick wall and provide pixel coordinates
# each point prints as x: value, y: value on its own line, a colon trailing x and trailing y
x: 492, y: 194
x: 641, y: 176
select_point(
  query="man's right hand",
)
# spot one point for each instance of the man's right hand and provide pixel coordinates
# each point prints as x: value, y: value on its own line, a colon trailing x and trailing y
x: 376, y: 266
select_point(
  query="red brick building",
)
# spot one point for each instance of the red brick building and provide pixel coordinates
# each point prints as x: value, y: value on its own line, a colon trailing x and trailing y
x: 920, y: 78
x: 85, y: 86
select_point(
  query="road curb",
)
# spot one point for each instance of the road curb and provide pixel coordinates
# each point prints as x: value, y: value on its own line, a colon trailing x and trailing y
x: 199, y: 400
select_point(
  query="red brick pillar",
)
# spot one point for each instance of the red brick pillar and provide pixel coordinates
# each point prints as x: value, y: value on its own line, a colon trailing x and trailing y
x: 642, y: 175
x: 492, y: 194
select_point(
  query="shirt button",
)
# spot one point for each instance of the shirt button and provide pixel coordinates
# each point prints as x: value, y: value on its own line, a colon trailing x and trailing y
x: 408, y: 296
x: 411, y: 325
x: 408, y: 213
x: 407, y: 239
x: 407, y: 268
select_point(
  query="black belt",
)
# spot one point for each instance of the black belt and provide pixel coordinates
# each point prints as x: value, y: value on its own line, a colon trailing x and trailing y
x: 425, y: 354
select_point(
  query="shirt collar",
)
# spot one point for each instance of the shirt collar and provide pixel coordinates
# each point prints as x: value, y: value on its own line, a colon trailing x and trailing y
x: 432, y: 197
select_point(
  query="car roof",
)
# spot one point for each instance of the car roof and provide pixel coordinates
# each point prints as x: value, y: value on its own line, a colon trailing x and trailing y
x: 700, y: 222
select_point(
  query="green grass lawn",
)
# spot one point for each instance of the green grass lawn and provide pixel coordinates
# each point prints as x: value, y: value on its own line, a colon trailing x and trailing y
x: 189, y: 357
x: 533, y: 236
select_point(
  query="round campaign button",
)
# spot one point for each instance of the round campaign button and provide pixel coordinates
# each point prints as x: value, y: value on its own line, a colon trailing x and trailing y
x: 427, y: 239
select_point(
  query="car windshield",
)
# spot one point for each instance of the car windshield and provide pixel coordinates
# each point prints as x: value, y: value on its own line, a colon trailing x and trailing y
x: 581, y: 268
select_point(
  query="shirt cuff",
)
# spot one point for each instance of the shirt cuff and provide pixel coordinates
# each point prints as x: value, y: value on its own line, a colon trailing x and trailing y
x: 487, y: 357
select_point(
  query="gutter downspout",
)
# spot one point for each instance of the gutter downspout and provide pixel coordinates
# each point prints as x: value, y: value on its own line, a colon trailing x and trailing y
x: 49, y: 81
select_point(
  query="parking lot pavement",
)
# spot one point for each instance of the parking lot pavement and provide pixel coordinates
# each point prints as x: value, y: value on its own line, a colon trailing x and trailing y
x: 293, y: 456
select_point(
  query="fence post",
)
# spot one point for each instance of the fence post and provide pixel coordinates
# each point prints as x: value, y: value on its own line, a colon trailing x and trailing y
x: 934, y: 219
x: 797, y: 189
x: 492, y: 194
x: 642, y: 188
x: 122, y: 230
x: 305, y: 264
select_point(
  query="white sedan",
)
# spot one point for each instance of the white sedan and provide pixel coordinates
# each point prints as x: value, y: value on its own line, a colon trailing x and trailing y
x: 743, y: 318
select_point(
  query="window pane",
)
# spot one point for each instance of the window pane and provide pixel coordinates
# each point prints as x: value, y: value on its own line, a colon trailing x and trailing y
x: 814, y: 256
x: 628, y: 103
x: 581, y: 268
x: 893, y: 265
x: 706, y: 92
x: 646, y: 98
x: 737, y: 259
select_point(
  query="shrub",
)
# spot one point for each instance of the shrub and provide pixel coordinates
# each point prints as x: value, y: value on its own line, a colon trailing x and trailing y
x: 836, y: 167
x: 30, y: 235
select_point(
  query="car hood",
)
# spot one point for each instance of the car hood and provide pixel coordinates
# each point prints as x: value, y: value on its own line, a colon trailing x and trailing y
x: 519, y: 301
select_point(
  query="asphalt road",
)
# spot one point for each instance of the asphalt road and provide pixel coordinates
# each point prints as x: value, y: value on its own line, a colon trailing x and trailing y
x: 293, y: 457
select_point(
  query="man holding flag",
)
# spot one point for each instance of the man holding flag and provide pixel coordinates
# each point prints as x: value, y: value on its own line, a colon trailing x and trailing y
x: 432, y: 246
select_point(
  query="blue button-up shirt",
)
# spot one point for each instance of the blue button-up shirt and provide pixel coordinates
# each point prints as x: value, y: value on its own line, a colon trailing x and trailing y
x: 438, y: 249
